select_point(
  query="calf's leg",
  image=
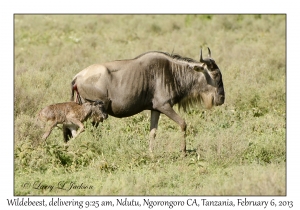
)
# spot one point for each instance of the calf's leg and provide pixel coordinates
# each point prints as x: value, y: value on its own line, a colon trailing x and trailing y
x: 80, y: 125
x: 67, y: 133
x: 48, y: 130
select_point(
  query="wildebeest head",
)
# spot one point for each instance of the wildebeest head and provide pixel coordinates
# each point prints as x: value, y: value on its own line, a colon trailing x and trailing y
x: 211, y: 84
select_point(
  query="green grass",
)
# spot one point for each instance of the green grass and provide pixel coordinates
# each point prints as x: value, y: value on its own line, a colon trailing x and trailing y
x: 238, y: 148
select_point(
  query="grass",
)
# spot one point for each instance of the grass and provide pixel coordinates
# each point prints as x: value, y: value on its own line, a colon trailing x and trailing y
x: 238, y: 148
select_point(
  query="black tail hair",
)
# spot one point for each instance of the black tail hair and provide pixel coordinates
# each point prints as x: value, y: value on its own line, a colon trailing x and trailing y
x: 72, y: 89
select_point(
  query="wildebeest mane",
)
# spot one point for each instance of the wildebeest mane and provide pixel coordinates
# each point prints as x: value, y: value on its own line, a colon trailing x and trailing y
x: 174, y: 56
x: 180, y: 58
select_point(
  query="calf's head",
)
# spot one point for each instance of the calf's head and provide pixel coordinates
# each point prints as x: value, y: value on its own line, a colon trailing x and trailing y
x: 98, y: 112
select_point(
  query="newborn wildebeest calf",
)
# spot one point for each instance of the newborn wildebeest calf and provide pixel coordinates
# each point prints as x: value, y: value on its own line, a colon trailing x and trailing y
x: 72, y: 115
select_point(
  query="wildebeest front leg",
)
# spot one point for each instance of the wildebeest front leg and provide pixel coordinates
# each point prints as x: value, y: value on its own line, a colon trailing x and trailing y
x: 153, y: 128
x: 48, y: 130
x: 169, y: 111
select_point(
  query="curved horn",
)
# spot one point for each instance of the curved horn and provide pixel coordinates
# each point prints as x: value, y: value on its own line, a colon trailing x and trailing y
x: 201, y: 59
x: 209, y: 53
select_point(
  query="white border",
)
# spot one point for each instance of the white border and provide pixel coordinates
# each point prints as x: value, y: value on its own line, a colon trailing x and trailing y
x: 153, y: 6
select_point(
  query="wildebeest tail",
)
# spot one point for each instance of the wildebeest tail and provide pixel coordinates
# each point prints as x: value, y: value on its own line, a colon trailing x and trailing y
x: 73, y: 89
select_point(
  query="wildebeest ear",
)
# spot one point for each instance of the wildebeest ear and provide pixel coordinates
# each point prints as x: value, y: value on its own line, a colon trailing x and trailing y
x: 198, y: 68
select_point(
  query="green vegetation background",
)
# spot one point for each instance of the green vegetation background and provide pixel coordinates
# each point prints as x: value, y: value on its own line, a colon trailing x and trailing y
x: 238, y: 148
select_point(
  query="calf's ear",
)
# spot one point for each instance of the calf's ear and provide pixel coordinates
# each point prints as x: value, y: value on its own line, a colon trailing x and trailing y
x: 99, y: 102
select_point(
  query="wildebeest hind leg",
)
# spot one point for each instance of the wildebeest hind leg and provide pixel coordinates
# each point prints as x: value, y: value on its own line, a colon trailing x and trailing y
x: 78, y: 123
x: 67, y: 133
x: 169, y: 111
x: 153, y: 128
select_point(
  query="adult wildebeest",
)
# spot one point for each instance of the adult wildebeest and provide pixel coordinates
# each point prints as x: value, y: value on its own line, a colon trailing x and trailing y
x: 153, y: 81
